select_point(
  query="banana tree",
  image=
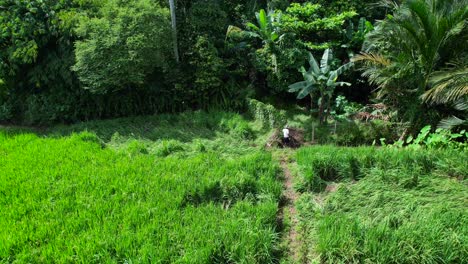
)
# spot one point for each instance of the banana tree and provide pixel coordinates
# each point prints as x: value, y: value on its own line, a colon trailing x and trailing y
x: 322, y: 80
x: 266, y: 30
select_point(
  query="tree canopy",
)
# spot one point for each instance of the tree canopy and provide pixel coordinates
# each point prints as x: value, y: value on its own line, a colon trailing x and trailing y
x: 69, y: 60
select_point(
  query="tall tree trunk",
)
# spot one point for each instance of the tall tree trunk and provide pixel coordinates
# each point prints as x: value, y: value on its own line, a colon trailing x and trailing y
x: 321, y: 108
x: 321, y: 114
x: 328, y: 110
x: 174, y: 29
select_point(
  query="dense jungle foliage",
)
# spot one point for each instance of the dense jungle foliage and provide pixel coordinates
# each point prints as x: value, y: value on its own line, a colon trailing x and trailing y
x: 72, y: 60
x: 233, y: 131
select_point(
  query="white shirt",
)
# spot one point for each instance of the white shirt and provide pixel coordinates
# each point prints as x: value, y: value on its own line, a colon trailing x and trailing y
x: 286, y: 133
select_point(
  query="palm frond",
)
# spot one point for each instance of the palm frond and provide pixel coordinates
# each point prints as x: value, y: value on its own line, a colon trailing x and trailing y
x: 372, y: 58
x: 451, y: 122
x: 460, y: 105
x: 447, y: 86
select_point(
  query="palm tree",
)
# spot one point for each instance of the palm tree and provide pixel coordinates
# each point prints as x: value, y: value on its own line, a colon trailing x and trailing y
x: 448, y: 85
x: 405, y: 49
x: 174, y: 29
x: 460, y: 120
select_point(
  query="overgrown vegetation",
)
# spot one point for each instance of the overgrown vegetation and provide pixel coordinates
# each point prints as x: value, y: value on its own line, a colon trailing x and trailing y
x: 79, y: 60
x: 383, y: 205
x: 419, y: 42
x: 139, y: 131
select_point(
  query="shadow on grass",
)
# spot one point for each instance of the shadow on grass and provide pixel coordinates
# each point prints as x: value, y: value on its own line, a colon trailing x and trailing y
x: 184, y: 127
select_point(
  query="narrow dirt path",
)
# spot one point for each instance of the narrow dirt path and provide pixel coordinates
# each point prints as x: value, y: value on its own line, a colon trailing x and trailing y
x: 289, y: 210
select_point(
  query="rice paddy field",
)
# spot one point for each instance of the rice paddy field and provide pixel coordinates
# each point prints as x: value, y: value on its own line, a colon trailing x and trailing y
x: 201, y: 188
x: 369, y: 205
x: 70, y: 197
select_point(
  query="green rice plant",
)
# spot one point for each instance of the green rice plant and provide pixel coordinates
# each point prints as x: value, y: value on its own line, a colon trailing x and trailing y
x: 165, y: 148
x: 407, y: 205
x: 68, y: 199
x: 135, y: 147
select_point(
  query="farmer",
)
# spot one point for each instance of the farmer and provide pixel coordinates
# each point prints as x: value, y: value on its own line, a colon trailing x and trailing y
x: 286, y: 135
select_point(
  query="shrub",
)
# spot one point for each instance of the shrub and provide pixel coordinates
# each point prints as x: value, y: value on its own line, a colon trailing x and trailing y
x: 131, y: 37
x: 135, y: 147
x: 267, y: 114
x: 237, y: 126
x: 440, y: 138
x: 88, y: 137
x: 6, y: 111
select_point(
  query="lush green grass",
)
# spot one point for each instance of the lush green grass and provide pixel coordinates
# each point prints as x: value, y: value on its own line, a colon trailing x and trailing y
x: 139, y: 194
x: 390, y: 205
x: 197, y: 188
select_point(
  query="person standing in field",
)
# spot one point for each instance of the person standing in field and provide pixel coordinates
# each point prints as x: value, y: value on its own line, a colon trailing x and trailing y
x: 286, y: 139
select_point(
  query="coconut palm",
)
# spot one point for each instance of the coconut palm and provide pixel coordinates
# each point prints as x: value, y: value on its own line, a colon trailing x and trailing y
x: 450, y: 87
x: 460, y: 120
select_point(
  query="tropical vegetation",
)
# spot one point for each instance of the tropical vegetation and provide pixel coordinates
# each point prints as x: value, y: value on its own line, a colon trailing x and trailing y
x: 233, y: 131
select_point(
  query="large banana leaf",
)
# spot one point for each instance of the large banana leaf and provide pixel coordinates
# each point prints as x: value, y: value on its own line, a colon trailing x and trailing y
x: 296, y: 87
x: 314, y: 67
x: 331, y: 82
x: 304, y: 88
x: 252, y: 26
x: 342, y: 84
x: 305, y: 92
x: 319, y: 77
x: 326, y: 60
x: 274, y: 36
x: 344, y: 68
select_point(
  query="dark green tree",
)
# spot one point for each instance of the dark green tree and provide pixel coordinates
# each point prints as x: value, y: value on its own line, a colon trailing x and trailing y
x: 122, y: 46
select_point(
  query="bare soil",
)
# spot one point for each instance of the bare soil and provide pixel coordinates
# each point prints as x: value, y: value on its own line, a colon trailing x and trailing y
x: 296, y: 139
x: 291, y: 197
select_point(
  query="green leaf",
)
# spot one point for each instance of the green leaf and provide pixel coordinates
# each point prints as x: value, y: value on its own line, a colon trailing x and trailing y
x: 262, y: 19
x: 344, y: 68
x: 274, y: 36
x: 342, y: 84
x: 313, y: 64
x: 326, y: 60
x: 310, y: 78
x: 252, y: 26
x: 297, y: 86
x: 304, y: 92
x: 409, y: 139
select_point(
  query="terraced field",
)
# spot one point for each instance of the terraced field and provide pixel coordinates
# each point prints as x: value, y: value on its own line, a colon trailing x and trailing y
x: 370, y: 205
x: 200, y: 188
x: 76, y: 199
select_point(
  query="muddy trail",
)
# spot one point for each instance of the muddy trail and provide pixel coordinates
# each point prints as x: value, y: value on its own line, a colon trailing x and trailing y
x: 288, y: 212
